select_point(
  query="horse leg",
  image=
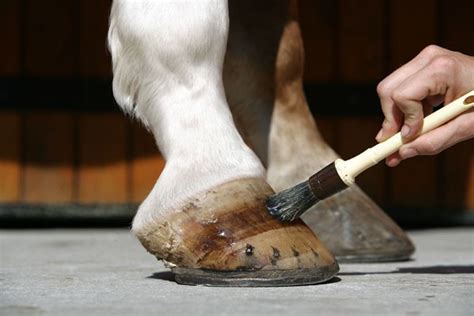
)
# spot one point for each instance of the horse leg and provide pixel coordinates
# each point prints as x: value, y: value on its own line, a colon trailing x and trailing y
x: 205, y: 216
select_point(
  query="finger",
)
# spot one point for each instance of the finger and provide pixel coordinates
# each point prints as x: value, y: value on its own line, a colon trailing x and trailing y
x: 412, y: 115
x: 428, y: 104
x: 392, y: 122
x: 420, y: 61
x: 393, y: 160
x: 393, y: 115
x: 437, y: 140
x: 411, y: 95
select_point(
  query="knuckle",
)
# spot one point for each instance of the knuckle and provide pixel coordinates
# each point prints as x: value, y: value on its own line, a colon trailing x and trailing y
x: 415, y: 120
x: 387, y: 124
x: 431, y: 50
x: 382, y: 89
x: 429, y: 147
x: 399, y: 97
x: 443, y: 64
x: 390, y: 126
x: 412, y: 114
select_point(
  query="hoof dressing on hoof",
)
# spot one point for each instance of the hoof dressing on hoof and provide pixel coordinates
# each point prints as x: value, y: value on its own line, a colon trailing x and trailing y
x: 225, y: 237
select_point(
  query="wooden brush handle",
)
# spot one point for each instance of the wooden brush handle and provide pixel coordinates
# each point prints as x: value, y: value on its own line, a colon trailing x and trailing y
x: 351, y: 168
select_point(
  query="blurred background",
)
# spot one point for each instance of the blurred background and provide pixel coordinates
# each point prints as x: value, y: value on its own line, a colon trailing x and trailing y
x: 69, y: 157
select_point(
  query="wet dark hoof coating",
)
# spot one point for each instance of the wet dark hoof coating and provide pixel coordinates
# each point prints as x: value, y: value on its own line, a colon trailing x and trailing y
x: 226, y: 237
x: 261, y: 278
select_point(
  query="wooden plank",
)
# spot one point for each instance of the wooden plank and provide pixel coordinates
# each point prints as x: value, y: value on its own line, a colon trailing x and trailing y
x: 48, y: 169
x: 103, y: 148
x: 356, y: 135
x: 10, y: 160
x: 457, y: 34
x: 362, y: 58
x: 50, y: 42
x: 93, y: 55
x: 318, y: 22
x: 456, y: 31
x: 362, y: 40
x: 10, y: 33
x: 328, y: 127
x: 405, y: 15
x: 146, y: 163
x: 469, y: 199
x: 415, y: 182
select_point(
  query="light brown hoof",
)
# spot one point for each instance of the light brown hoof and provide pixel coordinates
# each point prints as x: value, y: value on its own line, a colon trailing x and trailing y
x: 355, y: 229
x: 225, y: 237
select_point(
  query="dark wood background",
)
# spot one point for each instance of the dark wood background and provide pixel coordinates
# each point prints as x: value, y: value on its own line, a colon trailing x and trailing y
x: 63, y: 141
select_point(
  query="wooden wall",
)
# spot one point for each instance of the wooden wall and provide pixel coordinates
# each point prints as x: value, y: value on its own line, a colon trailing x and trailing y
x: 61, y: 156
x: 365, y: 40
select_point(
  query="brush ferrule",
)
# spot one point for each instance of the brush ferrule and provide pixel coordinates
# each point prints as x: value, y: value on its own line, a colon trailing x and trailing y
x: 345, y: 172
x: 326, y: 182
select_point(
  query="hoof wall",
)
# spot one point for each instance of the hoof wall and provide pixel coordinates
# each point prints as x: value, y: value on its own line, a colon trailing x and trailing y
x: 356, y: 230
x: 261, y: 278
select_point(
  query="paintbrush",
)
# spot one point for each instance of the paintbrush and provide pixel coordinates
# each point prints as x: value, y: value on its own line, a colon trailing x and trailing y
x: 293, y: 202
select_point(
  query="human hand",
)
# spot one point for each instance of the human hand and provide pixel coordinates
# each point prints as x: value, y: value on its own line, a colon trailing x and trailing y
x: 435, y: 76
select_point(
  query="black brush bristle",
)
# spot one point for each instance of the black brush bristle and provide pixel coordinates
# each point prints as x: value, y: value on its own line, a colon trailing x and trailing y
x: 291, y: 203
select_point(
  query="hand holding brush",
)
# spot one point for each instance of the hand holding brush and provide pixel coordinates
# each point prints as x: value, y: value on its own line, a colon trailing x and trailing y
x: 293, y: 202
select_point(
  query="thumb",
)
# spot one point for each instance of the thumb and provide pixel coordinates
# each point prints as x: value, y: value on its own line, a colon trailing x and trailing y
x: 438, y: 139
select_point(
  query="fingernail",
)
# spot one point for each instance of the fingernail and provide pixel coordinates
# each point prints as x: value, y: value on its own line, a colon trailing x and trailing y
x: 379, y: 135
x: 405, y: 130
x: 406, y: 153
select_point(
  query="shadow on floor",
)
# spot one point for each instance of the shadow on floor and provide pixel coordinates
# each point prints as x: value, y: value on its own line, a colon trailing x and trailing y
x: 163, y: 275
x: 422, y: 270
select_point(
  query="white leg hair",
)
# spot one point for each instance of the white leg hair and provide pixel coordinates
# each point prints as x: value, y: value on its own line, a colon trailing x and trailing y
x: 167, y: 60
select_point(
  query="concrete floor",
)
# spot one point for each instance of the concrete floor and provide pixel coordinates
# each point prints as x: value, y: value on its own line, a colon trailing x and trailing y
x: 106, y: 272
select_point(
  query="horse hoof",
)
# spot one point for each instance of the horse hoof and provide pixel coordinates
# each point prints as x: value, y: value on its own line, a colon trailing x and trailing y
x: 355, y: 229
x: 225, y: 237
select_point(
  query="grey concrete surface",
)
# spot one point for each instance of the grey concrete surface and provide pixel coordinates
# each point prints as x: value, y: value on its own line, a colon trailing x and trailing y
x: 106, y: 272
